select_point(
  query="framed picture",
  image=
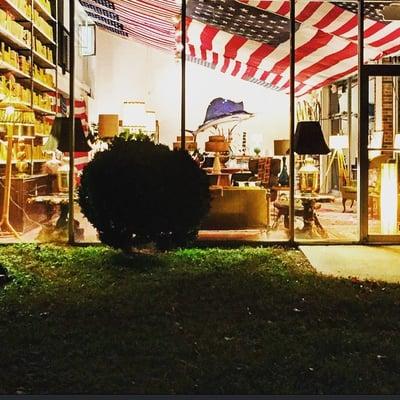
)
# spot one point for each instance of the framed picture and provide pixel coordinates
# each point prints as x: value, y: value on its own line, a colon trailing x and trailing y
x: 63, y: 52
x: 87, y: 40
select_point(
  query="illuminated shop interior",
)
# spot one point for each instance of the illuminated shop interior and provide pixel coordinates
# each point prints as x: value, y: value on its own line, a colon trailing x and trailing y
x: 298, y: 145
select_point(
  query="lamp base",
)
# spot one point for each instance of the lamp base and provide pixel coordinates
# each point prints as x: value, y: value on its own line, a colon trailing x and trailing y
x: 283, y: 178
x: 6, y: 229
x: 217, y: 164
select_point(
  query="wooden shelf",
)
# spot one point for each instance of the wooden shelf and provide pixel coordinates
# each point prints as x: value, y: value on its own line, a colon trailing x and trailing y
x: 41, y: 61
x: 42, y: 36
x: 4, y: 66
x: 42, y: 87
x: 13, y: 41
x: 40, y: 160
x: 43, y: 111
x: 26, y: 80
x: 19, y: 15
x: 43, y: 11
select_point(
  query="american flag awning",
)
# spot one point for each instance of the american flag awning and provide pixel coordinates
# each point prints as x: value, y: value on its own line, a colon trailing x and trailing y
x: 150, y: 22
x: 249, y: 39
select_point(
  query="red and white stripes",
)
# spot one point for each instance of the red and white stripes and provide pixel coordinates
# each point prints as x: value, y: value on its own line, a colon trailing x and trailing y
x: 322, y: 55
x: 326, y: 41
x: 337, y: 21
x: 150, y: 22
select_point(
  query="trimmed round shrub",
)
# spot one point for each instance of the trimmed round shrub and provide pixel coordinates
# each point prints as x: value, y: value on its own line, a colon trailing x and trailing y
x: 137, y: 192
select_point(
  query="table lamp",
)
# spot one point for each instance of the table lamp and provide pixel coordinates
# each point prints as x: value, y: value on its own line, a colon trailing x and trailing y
x: 282, y: 148
x: 108, y: 126
x: 11, y: 115
x: 309, y: 140
x: 60, y: 136
x: 217, y: 144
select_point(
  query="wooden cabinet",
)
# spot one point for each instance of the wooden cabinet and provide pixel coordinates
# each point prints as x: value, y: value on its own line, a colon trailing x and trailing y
x: 23, y: 215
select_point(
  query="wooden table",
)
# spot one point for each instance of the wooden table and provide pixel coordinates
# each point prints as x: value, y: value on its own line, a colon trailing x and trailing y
x: 279, y: 189
x: 312, y: 227
x: 60, y: 228
x: 222, y: 179
x: 309, y: 204
x: 23, y: 214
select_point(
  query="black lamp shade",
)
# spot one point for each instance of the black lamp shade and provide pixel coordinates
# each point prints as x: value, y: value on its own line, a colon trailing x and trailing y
x: 60, y: 131
x: 309, y: 139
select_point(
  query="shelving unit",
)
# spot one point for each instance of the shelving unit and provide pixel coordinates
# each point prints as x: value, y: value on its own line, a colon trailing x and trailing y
x: 27, y: 48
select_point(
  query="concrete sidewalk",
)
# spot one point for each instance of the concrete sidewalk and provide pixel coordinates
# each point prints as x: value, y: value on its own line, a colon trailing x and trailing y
x: 363, y: 262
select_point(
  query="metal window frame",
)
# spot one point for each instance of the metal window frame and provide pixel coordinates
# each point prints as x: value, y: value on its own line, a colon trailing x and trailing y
x: 364, y: 71
x: 372, y: 70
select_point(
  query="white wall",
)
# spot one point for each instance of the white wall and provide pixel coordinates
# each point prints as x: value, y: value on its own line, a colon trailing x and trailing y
x: 126, y: 70
x: 85, y: 67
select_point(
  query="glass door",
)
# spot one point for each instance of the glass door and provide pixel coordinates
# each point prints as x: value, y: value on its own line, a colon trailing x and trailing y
x: 380, y: 146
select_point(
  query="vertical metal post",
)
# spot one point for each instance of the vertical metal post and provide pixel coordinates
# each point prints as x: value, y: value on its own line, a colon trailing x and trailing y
x: 183, y: 75
x: 362, y: 199
x: 292, y: 22
x: 55, y: 60
x: 71, y: 231
x: 31, y: 75
x: 349, y: 124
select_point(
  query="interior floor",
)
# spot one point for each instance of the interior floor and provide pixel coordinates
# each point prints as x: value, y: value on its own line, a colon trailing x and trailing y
x: 338, y: 226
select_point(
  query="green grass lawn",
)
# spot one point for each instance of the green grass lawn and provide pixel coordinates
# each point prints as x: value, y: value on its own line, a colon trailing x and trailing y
x: 243, y: 321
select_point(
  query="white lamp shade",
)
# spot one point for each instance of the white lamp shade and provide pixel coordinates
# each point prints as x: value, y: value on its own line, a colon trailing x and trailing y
x: 134, y: 114
x: 375, y: 143
x: 339, y: 142
x: 150, y: 121
x: 396, y: 144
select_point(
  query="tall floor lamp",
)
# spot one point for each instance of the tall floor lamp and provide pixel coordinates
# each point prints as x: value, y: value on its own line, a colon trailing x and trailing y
x: 11, y: 115
x: 337, y: 143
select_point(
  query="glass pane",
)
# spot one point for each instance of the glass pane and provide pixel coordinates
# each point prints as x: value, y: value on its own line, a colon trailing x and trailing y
x: 384, y: 145
x: 238, y: 108
x: 137, y: 84
x: 326, y: 184
x: 27, y: 108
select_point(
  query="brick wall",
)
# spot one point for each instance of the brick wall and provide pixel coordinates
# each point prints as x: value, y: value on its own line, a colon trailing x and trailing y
x: 387, y: 111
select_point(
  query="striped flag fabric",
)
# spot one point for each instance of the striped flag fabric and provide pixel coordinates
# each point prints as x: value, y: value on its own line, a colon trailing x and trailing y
x: 150, y: 22
x: 249, y: 39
